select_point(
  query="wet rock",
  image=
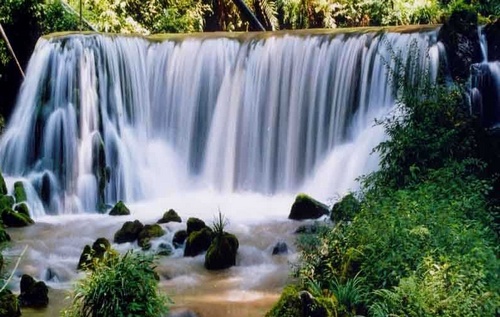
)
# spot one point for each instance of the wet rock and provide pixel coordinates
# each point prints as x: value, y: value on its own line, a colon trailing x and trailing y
x: 147, y: 233
x: 119, y: 210
x: 33, y: 294
x: 296, y: 303
x: 179, y: 238
x: 195, y: 224
x: 6, y: 202
x: 492, y: 33
x: 164, y: 249
x: 198, y: 242
x: 280, y: 248
x: 345, y: 209
x: 9, y: 306
x: 310, y: 228
x: 97, y: 251
x: 460, y: 37
x: 170, y: 216
x: 51, y: 275
x: 10, y: 218
x: 222, y: 252
x: 306, y: 207
x: 3, y: 186
x: 22, y: 208
x: 19, y: 192
x: 129, y: 232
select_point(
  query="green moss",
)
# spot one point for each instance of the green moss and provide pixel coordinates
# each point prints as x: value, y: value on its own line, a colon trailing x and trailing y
x: 170, y: 216
x: 147, y: 233
x: 22, y: 208
x: 119, y: 210
x: 9, y: 305
x: 3, y: 186
x: 19, y: 192
x: 10, y: 218
x: 198, y: 242
x: 346, y: 208
x: 296, y: 303
x: 222, y: 252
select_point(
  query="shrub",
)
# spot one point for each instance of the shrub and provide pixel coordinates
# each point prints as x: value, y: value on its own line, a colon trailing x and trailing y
x: 119, y: 286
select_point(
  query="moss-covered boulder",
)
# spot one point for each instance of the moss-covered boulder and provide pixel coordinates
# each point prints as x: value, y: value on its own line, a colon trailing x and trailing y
x: 147, y: 233
x: 33, y: 294
x: 3, y: 186
x: 119, y: 210
x: 6, y: 202
x: 195, y: 224
x: 129, y: 232
x: 492, y: 33
x: 89, y: 254
x: 11, y: 218
x: 296, y: 303
x: 9, y: 306
x: 222, y: 252
x: 22, y: 208
x: 164, y: 249
x: 460, y: 38
x: 179, y: 238
x: 19, y: 192
x: 198, y: 242
x: 345, y: 209
x: 170, y: 216
x: 305, y: 207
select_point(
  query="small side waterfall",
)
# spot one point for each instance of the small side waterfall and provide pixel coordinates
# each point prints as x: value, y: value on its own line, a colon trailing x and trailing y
x: 485, y: 87
x: 101, y: 118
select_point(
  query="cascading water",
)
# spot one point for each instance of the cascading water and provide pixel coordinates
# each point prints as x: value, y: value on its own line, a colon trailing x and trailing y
x: 102, y: 118
x: 485, y: 87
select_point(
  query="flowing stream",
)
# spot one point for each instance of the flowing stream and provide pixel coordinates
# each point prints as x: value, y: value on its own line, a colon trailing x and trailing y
x: 237, y: 123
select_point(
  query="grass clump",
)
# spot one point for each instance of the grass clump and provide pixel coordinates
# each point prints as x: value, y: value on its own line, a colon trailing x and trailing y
x: 119, y: 286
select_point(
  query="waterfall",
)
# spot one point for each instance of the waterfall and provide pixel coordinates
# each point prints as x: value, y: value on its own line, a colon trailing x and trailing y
x: 485, y: 87
x: 102, y: 118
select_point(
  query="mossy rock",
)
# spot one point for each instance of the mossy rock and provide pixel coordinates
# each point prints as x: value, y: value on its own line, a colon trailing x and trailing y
x: 9, y: 306
x: 89, y: 254
x: 164, y: 249
x: 129, y: 232
x: 119, y: 210
x: 6, y: 202
x: 198, y: 242
x: 13, y: 219
x: 22, y: 208
x: 170, y: 216
x: 492, y: 33
x: 19, y: 192
x: 305, y: 207
x: 147, y: 233
x: 460, y: 37
x: 3, y: 186
x: 345, y: 209
x: 33, y: 294
x: 222, y: 252
x: 296, y: 303
x: 195, y: 224
x: 179, y: 238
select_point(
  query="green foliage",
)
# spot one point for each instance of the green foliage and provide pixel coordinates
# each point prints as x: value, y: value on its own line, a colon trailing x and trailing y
x: 119, y: 286
x: 219, y: 224
x: 56, y: 18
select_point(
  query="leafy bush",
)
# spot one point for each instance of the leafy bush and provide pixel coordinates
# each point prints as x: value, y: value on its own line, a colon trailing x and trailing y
x: 119, y: 286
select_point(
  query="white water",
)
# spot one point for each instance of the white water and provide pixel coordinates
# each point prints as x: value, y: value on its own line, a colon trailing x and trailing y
x: 267, y: 116
x: 485, y: 87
